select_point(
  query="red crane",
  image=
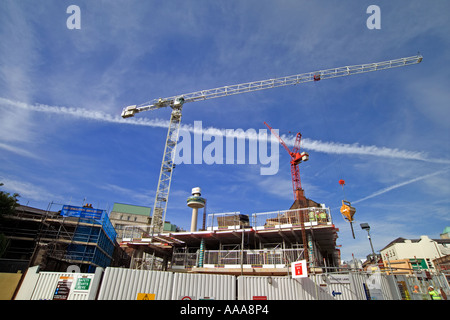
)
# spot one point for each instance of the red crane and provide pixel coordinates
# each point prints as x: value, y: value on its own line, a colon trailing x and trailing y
x: 299, y: 198
x: 296, y: 159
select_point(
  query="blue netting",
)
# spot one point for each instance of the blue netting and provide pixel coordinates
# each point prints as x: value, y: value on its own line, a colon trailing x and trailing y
x: 90, y: 215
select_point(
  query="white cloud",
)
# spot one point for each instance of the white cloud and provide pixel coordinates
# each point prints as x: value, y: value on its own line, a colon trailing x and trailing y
x: 19, y: 50
x: 142, y: 197
x: 309, y: 144
x: 28, y: 190
x: 19, y: 151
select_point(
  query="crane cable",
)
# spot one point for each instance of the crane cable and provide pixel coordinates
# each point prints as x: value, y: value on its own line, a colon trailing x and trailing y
x: 346, y: 210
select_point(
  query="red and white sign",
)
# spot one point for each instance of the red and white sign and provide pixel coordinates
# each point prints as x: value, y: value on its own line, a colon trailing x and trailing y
x: 299, y: 269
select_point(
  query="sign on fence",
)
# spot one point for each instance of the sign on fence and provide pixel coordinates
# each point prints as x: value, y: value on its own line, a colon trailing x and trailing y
x: 299, y: 269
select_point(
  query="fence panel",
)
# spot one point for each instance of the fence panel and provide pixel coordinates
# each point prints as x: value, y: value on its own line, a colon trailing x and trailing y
x: 270, y: 288
x: 341, y: 286
x: 203, y: 287
x: 131, y: 284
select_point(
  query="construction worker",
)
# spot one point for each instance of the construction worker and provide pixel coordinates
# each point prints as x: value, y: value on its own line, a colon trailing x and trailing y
x: 312, y: 216
x: 434, y: 294
x: 323, y: 216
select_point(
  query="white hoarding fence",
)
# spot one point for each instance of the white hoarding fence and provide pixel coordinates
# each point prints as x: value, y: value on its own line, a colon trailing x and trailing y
x: 132, y: 284
x: 59, y: 285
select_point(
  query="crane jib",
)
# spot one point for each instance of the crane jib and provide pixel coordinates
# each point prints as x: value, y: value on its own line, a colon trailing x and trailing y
x: 280, y: 82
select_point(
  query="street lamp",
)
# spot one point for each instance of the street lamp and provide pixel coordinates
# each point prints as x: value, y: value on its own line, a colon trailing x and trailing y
x: 365, y: 226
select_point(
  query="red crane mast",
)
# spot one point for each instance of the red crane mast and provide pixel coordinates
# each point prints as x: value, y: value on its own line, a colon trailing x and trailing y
x: 299, y: 198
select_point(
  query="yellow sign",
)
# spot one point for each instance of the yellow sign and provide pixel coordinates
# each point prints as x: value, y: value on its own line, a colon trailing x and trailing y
x: 145, y: 296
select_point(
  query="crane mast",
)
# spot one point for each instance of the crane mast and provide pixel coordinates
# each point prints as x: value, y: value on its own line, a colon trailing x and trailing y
x: 177, y: 102
x: 296, y: 159
x: 165, y: 174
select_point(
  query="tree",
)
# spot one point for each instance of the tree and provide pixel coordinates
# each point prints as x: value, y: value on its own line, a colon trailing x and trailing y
x: 8, y: 203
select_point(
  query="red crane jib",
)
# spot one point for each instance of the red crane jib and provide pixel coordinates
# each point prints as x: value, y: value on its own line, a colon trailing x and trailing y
x: 296, y: 159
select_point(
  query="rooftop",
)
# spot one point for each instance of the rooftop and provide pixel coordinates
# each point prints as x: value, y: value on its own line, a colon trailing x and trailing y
x: 132, y: 209
x: 403, y: 240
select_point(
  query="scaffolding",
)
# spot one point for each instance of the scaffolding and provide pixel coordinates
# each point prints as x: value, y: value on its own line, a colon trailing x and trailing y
x: 79, y: 235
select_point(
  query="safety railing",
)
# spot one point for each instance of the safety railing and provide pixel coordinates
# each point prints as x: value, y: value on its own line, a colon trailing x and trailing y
x: 267, y: 220
x: 255, y: 258
x: 291, y: 218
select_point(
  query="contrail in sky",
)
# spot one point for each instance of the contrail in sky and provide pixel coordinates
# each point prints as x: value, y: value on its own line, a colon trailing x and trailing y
x: 398, y: 185
x: 308, y: 144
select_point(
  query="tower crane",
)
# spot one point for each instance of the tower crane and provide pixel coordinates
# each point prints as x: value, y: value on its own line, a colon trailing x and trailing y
x: 296, y: 159
x: 177, y: 102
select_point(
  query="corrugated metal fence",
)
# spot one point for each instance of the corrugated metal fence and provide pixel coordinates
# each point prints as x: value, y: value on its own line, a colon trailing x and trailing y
x: 126, y: 284
x: 130, y: 284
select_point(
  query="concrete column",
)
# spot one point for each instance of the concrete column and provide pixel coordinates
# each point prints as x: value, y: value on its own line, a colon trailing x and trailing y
x: 194, y: 219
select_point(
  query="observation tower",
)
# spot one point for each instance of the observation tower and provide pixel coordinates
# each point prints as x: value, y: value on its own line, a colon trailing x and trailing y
x: 195, y: 202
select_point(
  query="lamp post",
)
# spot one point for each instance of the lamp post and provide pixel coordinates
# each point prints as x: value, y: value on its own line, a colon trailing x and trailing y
x: 365, y: 226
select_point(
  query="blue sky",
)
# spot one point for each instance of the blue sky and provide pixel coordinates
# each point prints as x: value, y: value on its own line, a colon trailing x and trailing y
x: 385, y: 133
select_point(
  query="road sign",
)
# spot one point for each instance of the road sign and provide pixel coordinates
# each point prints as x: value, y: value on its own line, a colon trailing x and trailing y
x: 299, y: 269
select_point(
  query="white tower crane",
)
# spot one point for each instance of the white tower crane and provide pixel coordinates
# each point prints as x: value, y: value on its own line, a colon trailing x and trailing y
x: 177, y: 102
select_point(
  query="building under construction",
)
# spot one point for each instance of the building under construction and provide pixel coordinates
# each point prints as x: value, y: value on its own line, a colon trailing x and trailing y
x: 233, y: 243
x: 73, y: 236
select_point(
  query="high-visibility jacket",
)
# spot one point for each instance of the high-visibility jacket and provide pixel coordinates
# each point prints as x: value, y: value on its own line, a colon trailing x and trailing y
x: 434, y: 295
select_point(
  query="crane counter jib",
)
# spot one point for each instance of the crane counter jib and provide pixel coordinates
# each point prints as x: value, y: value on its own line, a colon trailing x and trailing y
x: 269, y: 83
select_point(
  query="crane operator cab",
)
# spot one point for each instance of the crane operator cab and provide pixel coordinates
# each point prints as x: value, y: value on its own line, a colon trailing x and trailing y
x: 299, y: 157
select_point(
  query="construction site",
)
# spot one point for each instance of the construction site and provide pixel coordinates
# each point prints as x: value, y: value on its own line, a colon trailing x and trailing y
x: 258, y: 243
x: 289, y: 253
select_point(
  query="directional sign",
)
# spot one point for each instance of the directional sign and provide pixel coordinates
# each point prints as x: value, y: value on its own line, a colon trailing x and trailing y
x: 336, y: 293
